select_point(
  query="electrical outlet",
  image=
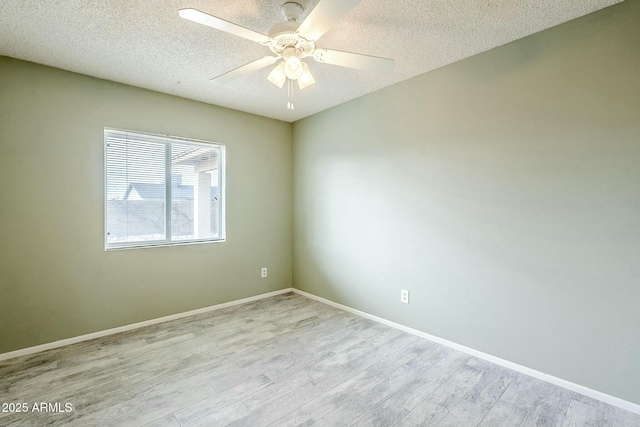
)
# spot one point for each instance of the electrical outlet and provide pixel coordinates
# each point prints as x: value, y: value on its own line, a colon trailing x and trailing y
x: 263, y: 272
x: 404, y: 296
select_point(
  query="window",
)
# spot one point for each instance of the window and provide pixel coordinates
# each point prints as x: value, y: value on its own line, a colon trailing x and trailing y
x: 162, y: 190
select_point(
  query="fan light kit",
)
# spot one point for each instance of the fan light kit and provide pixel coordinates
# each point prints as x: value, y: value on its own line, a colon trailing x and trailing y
x: 291, y: 42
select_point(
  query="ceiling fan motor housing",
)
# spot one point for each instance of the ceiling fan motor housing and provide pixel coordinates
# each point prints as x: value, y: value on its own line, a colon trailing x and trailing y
x: 284, y: 36
x: 283, y: 28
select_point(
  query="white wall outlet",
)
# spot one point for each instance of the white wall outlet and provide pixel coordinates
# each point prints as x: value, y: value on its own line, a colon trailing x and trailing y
x: 404, y: 296
x: 263, y: 272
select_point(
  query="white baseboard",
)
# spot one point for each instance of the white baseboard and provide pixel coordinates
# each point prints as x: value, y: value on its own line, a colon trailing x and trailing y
x: 611, y: 400
x: 61, y: 343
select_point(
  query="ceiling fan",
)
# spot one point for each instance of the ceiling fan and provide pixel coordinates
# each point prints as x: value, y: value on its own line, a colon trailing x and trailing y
x: 291, y: 42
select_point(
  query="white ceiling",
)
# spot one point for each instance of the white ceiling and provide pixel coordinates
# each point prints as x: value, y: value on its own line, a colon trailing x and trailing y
x: 145, y: 43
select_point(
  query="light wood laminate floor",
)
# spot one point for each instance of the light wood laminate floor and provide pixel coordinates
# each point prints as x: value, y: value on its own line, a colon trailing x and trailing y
x: 283, y: 361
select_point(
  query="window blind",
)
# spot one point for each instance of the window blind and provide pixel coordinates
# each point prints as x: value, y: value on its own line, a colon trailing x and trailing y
x: 162, y: 190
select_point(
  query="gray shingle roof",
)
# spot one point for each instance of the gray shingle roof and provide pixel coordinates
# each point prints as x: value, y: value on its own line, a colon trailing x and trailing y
x: 156, y: 191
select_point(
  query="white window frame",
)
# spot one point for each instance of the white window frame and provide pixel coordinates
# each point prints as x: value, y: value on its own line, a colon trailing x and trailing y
x: 167, y: 140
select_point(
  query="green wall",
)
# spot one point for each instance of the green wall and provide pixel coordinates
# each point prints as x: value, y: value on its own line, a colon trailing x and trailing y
x: 502, y: 191
x: 56, y: 280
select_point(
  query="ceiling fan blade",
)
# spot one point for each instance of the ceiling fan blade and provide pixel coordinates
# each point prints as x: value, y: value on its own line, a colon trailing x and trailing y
x: 324, y: 16
x: 354, y: 60
x: 245, y: 69
x: 222, y: 25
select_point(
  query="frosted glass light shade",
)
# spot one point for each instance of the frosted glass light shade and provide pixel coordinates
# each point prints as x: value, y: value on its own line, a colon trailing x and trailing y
x: 293, y: 67
x: 306, y: 79
x: 277, y: 76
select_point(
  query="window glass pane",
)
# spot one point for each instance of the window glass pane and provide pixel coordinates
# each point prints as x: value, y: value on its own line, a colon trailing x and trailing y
x: 195, y: 207
x: 135, y: 190
x: 144, y: 208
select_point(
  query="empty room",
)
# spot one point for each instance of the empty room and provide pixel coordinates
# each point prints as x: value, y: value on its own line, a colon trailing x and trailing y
x: 320, y: 212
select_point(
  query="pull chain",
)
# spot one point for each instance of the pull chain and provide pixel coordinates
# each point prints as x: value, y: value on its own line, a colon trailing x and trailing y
x: 290, y: 94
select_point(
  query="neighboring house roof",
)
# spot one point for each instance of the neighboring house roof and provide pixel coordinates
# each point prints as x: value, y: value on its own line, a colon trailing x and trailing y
x: 145, y: 191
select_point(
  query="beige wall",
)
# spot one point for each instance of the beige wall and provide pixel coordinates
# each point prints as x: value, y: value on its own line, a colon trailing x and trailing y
x: 56, y: 280
x: 503, y: 191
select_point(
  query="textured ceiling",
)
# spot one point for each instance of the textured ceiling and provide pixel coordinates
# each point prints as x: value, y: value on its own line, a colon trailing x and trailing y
x: 145, y: 43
